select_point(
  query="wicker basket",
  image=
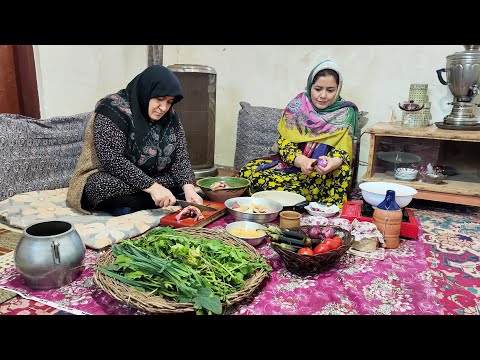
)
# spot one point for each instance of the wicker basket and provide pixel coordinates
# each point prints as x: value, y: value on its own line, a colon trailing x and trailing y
x: 156, y: 304
x: 305, y: 265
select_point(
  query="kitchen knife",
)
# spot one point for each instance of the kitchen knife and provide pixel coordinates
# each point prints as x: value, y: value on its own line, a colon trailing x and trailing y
x: 184, y: 204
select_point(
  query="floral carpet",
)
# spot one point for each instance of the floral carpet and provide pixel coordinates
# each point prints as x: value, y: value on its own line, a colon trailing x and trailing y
x: 21, y: 306
x: 436, y: 274
x: 398, y: 285
x: 452, y: 248
x: 80, y: 297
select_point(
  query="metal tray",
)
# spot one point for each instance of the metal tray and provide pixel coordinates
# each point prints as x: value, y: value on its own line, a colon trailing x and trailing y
x: 399, y: 157
x: 442, y: 125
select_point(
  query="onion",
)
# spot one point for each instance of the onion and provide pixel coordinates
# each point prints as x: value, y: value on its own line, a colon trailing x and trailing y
x: 315, y: 232
x: 328, y: 232
x: 322, y: 162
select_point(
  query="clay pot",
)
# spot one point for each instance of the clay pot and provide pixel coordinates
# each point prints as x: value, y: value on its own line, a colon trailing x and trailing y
x: 289, y: 219
x: 388, y: 222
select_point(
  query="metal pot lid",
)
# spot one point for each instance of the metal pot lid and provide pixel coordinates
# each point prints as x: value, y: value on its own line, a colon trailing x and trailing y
x: 399, y: 157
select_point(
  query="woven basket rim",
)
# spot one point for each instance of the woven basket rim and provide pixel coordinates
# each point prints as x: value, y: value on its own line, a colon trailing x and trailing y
x: 313, y: 264
x: 157, y: 304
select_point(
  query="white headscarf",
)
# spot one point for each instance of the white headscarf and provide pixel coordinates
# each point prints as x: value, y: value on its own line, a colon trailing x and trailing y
x: 326, y: 64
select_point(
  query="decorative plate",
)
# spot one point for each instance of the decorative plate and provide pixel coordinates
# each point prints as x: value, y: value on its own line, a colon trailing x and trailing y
x: 317, y: 209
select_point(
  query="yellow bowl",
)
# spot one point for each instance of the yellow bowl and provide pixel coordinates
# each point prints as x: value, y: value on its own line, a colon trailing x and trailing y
x: 253, y: 233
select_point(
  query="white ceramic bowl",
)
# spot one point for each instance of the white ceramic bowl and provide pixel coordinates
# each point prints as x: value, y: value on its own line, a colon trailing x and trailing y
x: 317, y: 209
x: 286, y: 198
x: 374, y: 192
x: 248, y: 225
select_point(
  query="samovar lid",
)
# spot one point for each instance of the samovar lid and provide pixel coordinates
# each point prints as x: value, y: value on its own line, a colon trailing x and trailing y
x: 471, y: 52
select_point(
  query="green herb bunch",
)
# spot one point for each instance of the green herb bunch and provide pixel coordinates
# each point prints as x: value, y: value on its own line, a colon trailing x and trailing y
x: 184, y: 268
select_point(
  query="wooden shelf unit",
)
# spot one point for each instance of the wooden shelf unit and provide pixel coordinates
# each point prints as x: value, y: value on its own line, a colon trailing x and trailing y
x: 459, y: 149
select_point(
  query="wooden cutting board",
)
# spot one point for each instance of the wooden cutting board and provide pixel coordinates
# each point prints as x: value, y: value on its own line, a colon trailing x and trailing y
x: 210, y: 216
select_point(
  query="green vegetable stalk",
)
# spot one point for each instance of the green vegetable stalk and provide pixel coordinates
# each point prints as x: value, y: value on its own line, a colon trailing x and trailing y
x: 183, y: 267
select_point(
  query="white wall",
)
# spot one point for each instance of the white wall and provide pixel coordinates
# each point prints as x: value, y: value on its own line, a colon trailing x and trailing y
x: 376, y: 78
x: 73, y: 78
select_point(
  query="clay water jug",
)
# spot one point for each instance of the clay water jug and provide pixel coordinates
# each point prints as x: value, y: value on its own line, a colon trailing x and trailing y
x: 387, y: 217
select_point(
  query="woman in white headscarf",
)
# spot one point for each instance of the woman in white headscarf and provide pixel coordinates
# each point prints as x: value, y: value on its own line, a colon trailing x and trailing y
x: 315, y: 140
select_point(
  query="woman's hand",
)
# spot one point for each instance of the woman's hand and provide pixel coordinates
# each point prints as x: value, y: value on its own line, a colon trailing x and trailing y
x: 304, y: 164
x: 161, y: 196
x: 332, y: 164
x: 191, y: 195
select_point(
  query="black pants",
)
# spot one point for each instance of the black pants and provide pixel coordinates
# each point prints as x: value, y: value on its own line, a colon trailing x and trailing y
x: 137, y: 201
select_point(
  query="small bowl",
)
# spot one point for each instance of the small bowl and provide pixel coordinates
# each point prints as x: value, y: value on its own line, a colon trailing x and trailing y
x: 236, y: 187
x: 374, y: 192
x: 323, y: 210
x: 247, y: 226
x: 273, y: 208
x: 405, y: 178
x: 410, y: 106
x: 435, y: 178
x: 406, y: 174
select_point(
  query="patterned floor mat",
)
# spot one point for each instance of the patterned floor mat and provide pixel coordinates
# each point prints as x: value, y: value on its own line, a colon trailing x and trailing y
x: 8, y: 242
x: 452, y: 250
x: 450, y: 234
x: 8, y: 239
x: 449, y: 244
x: 21, y: 306
x: 6, y: 295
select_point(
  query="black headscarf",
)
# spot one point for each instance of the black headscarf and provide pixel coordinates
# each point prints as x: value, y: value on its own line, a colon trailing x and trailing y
x: 150, y: 144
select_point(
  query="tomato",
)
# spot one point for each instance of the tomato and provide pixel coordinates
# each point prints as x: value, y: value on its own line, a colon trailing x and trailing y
x: 305, y: 251
x: 337, y: 242
x: 320, y: 249
x: 330, y: 243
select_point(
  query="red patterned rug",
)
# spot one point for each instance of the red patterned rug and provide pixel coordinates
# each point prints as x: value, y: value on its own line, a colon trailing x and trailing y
x: 437, y: 274
x: 450, y: 234
x: 452, y: 250
x: 21, y: 306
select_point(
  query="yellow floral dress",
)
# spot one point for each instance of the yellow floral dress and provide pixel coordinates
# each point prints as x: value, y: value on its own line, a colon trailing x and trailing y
x: 328, y: 189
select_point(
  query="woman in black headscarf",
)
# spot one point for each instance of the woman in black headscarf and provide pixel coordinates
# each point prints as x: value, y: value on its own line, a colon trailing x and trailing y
x: 135, y: 152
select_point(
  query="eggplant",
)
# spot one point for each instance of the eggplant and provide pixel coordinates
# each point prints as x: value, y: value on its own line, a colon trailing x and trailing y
x: 293, y: 248
x: 306, y: 242
x: 294, y: 234
x: 271, y: 229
